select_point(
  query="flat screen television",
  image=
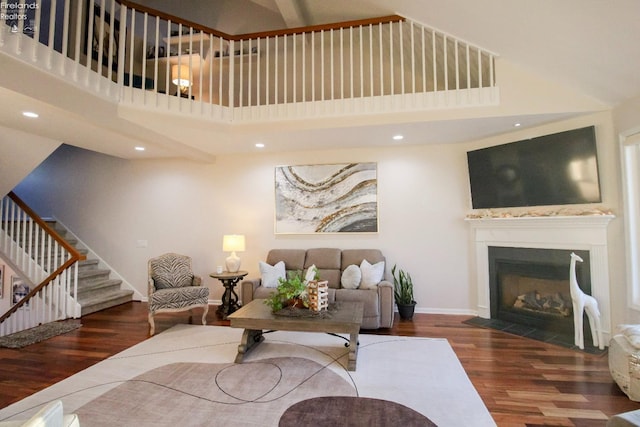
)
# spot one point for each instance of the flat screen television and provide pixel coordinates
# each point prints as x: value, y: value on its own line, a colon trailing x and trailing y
x: 557, y: 169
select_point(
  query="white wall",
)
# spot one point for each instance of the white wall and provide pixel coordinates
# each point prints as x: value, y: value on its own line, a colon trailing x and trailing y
x: 627, y: 123
x: 20, y: 153
x: 186, y: 207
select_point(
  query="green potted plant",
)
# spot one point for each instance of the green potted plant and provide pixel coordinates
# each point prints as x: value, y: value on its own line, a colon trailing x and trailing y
x: 403, y: 293
x: 291, y: 292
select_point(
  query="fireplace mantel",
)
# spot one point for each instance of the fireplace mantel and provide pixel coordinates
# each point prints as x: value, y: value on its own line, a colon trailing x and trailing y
x: 580, y: 232
x: 552, y: 221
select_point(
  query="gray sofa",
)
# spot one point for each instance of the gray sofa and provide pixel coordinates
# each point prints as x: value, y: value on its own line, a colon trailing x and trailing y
x: 378, y: 303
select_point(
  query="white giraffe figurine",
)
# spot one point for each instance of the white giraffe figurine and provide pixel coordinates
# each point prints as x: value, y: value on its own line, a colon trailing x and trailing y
x: 584, y: 303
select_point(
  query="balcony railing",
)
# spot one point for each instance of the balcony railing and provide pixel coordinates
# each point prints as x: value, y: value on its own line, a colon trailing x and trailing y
x: 147, y: 58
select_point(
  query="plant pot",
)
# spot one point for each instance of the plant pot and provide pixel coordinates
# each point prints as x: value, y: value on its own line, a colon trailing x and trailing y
x: 295, y: 302
x: 406, y: 310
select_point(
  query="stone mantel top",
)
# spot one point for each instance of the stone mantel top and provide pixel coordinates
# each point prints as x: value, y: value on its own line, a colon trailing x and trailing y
x: 560, y: 218
x: 540, y: 212
x: 557, y: 221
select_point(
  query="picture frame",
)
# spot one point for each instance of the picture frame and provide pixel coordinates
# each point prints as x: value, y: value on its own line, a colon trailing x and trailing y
x: 326, y: 198
x: 19, y: 290
x: 95, y: 19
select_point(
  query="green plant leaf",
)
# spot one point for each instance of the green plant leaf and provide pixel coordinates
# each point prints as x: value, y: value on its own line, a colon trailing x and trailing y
x: 292, y: 287
x: 402, y: 286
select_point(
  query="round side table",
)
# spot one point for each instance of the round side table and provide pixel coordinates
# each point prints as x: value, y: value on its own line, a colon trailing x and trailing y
x: 229, y: 298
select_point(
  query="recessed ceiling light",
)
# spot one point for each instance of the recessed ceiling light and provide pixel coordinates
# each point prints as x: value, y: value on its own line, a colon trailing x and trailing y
x: 30, y: 114
x: 398, y: 137
x: 517, y: 125
x: 139, y: 148
x: 259, y: 145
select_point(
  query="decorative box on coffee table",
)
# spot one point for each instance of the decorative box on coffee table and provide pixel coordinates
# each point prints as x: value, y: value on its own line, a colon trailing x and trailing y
x: 318, y: 294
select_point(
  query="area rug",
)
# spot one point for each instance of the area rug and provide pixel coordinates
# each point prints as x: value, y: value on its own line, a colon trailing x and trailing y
x: 186, y: 376
x: 38, y: 334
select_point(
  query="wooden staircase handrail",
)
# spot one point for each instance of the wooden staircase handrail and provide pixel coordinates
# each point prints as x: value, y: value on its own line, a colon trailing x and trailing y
x: 240, y: 37
x: 42, y: 223
x: 75, y: 255
x: 322, y: 27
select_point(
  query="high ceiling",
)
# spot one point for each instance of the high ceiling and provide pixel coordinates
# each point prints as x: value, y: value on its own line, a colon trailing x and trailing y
x: 591, y: 45
x: 588, y: 46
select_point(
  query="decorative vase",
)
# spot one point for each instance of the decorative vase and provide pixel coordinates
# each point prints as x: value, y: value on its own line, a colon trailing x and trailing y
x: 406, y: 310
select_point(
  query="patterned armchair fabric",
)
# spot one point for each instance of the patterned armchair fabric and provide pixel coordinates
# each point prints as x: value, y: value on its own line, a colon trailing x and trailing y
x: 173, y: 287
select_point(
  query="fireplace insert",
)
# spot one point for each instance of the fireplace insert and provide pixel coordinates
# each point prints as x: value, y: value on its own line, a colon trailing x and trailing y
x: 530, y: 286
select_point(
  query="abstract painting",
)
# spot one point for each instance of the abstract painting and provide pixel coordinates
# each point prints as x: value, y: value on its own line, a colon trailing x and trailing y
x: 333, y: 198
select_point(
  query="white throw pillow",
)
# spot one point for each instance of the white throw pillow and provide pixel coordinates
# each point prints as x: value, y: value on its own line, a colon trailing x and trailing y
x: 351, y: 277
x: 271, y: 274
x: 311, y: 274
x: 371, y: 274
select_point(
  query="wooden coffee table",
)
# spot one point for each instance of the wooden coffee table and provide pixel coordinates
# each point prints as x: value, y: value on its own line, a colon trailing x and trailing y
x: 257, y: 317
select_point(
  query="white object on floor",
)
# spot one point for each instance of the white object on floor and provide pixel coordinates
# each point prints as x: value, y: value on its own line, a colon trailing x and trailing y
x: 583, y: 303
x: 51, y: 415
x: 624, y: 360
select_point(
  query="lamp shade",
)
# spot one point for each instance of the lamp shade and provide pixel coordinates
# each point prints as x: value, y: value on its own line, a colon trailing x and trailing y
x: 233, y: 243
x: 180, y: 75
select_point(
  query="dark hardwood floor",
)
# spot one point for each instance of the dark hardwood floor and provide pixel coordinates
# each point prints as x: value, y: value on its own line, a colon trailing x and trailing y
x: 522, y: 382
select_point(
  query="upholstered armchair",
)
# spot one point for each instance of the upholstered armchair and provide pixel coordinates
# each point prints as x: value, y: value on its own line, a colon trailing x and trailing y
x: 173, y: 287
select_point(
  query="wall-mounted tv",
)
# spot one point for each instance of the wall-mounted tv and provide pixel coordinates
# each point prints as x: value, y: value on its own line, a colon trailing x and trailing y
x: 557, y: 169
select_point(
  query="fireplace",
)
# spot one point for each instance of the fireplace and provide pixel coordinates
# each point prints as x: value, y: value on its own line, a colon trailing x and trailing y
x: 530, y: 286
x: 584, y: 234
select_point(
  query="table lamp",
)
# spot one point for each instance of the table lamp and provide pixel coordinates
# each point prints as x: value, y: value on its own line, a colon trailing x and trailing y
x: 181, y: 77
x: 232, y: 243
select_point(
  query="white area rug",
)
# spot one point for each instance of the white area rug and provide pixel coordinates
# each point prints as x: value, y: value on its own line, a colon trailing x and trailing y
x: 421, y: 373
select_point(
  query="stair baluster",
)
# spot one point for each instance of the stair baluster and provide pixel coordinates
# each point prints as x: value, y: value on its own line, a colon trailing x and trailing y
x: 45, y: 262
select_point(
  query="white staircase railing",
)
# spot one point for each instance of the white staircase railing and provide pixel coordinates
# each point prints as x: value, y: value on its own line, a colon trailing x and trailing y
x: 142, y: 57
x: 46, y: 265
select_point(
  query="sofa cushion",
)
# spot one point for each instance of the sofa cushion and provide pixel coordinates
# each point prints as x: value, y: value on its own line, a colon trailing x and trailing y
x: 331, y: 276
x: 293, y: 258
x: 351, y: 277
x: 326, y: 258
x: 371, y: 274
x: 355, y: 256
x: 178, y: 297
x: 271, y: 274
x: 328, y: 262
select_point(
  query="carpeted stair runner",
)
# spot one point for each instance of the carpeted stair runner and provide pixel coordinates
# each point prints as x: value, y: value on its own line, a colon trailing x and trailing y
x: 96, y: 290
